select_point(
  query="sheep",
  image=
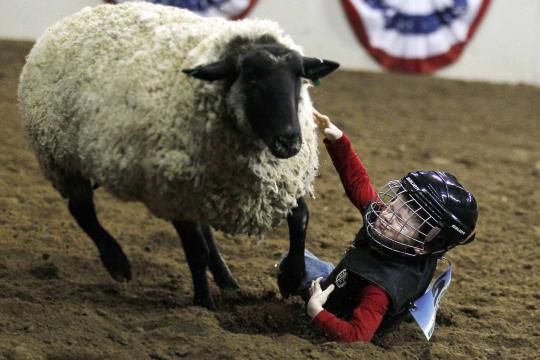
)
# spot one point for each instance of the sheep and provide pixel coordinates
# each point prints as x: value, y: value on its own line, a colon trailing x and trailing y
x: 230, y: 146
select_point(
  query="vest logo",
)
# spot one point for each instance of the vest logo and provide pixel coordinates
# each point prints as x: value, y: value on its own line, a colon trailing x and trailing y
x: 341, y: 278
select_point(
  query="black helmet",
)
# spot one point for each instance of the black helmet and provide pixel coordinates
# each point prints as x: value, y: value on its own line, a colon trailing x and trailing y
x: 424, y: 213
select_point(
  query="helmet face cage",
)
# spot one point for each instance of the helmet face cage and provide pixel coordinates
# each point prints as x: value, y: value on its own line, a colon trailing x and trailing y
x: 399, y: 224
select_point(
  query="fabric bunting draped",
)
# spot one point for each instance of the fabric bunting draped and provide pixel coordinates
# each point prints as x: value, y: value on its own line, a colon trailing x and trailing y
x: 418, y: 36
x: 231, y: 9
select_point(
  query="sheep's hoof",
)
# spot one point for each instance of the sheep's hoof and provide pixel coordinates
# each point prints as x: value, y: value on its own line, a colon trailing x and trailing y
x: 118, y: 266
x: 289, y: 283
x: 290, y: 275
x: 206, y: 303
x: 228, y: 284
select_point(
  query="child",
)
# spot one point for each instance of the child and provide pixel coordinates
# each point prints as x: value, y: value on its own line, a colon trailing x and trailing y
x: 408, y: 225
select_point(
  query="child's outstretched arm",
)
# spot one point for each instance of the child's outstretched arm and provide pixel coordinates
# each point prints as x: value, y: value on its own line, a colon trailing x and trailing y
x: 353, y: 174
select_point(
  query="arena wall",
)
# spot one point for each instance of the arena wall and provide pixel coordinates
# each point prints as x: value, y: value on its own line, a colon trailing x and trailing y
x: 505, y: 47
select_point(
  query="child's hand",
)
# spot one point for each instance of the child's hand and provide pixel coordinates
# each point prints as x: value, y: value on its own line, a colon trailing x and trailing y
x: 318, y: 297
x: 325, y: 126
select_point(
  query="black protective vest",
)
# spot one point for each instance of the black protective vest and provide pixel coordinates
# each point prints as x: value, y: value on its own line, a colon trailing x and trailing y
x: 404, y: 280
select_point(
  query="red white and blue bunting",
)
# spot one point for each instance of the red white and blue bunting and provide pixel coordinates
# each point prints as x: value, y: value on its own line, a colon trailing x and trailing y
x: 418, y: 36
x: 231, y: 9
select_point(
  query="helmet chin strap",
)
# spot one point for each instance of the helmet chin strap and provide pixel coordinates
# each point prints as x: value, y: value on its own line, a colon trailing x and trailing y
x: 432, y: 234
x: 469, y: 238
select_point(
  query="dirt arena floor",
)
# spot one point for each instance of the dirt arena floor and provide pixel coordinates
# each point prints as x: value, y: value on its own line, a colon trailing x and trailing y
x: 58, y: 302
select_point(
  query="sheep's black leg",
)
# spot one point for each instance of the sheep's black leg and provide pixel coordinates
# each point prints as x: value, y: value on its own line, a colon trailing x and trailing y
x: 293, y: 267
x: 220, y: 271
x: 197, y: 254
x: 81, y: 205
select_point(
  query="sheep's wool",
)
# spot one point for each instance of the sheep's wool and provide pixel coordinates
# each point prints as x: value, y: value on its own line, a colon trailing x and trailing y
x: 102, y: 94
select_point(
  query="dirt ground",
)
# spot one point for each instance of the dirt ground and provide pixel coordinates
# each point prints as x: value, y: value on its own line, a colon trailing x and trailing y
x: 58, y: 302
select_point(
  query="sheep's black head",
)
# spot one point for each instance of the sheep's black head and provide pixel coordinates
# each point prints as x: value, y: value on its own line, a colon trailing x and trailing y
x: 263, y: 85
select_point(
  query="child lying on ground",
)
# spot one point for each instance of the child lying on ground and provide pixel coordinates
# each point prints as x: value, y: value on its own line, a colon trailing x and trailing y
x: 408, y: 225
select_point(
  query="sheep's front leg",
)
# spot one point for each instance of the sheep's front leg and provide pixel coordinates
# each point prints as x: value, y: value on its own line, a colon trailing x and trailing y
x: 293, y: 267
x: 197, y: 254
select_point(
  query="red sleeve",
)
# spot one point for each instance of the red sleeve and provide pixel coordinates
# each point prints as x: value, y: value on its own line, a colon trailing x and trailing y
x: 368, y: 315
x: 353, y: 174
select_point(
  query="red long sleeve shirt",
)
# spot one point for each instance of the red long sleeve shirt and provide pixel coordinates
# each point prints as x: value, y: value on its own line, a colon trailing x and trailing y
x: 373, y: 301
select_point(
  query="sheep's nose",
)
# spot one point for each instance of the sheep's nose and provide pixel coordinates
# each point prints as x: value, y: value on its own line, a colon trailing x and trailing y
x: 286, y: 146
x: 286, y: 140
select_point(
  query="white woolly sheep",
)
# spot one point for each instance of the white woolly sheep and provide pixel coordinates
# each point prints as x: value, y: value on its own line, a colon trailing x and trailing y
x: 104, y: 102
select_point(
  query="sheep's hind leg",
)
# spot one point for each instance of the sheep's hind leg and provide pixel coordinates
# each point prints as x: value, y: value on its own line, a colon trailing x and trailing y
x: 219, y: 269
x: 293, y: 267
x: 79, y: 192
x: 197, y: 255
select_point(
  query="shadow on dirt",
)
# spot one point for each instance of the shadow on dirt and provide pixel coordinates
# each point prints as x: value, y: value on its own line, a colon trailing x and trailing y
x: 265, y: 313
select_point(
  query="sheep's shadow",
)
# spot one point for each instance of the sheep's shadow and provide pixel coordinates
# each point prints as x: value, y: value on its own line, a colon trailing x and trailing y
x: 264, y: 313
x: 246, y: 311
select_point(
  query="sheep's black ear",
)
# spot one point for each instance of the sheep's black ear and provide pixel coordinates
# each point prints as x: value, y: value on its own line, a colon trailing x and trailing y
x: 214, y: 71
x: 314, y: 68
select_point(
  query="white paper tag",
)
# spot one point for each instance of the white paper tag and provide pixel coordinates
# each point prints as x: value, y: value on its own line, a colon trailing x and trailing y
x: 425, y: 307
